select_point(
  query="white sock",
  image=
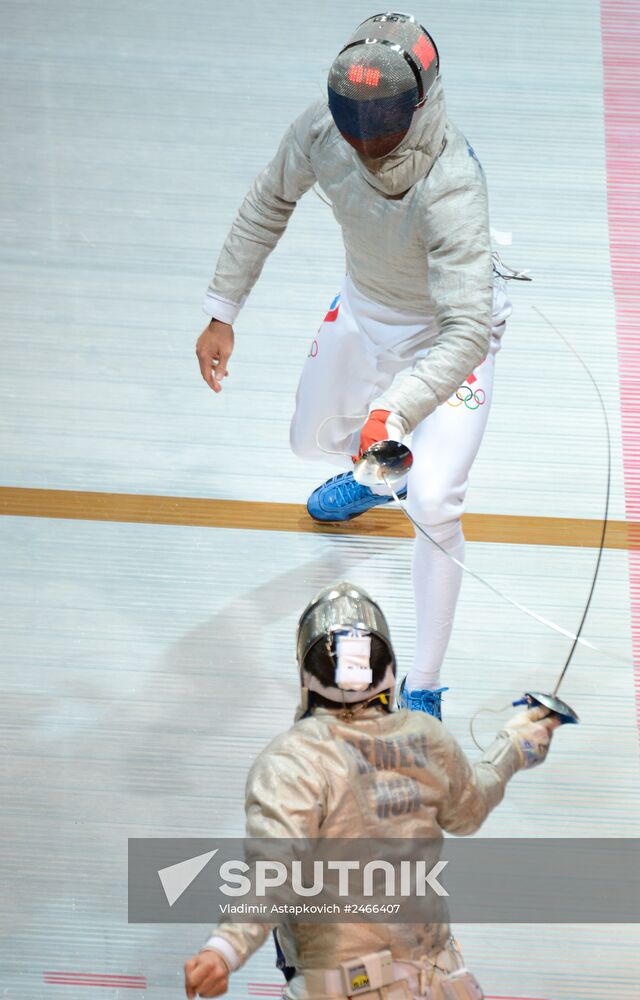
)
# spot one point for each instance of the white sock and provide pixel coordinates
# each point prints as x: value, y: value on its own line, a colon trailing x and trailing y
x: 436, y: 583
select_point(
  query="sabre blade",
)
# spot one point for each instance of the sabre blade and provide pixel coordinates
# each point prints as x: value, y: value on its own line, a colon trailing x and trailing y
x: 511, y: 600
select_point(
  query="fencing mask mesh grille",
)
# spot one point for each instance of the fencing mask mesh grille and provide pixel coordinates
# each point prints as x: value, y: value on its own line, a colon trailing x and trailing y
x: 340, y: 610
x: 377, y: 81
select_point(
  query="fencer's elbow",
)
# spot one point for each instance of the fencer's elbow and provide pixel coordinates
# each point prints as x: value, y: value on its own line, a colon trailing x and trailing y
x: 471, y: 824
x: 469, y: 821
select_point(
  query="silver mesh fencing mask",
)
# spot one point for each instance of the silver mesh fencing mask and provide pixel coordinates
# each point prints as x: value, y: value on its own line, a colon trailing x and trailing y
x: 332, y: 634
x: 382, y: 74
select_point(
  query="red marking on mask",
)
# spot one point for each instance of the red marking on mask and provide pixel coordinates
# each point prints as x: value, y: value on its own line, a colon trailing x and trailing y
x: 364, y: 74
x: 424, y: 51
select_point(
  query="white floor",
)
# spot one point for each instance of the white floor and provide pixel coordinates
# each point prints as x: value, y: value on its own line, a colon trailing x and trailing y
x: 144, y: 666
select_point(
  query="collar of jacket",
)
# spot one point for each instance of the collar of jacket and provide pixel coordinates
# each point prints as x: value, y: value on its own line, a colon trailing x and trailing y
x: 413, y: 159
x: 352, y: 714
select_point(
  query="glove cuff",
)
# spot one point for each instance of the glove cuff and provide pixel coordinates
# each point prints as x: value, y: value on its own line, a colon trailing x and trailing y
x: 531, y: 754
x: 396, y: 426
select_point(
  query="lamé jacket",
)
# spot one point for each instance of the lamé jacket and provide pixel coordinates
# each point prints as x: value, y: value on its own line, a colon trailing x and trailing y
x: 379, y: 775
x: 416, y: 233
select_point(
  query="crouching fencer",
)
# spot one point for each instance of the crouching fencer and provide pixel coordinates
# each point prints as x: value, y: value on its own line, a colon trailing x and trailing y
x: 309, y: 782
x: 409, y: 344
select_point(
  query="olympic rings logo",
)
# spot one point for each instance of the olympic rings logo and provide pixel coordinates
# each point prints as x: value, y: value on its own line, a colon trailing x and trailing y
x: 465, y: 395
x: 313, y: 350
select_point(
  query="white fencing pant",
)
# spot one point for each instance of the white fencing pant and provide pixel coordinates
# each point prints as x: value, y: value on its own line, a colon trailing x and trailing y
x: 360, y: 348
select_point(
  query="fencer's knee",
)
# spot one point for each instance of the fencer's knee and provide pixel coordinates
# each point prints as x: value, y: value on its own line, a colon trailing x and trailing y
x: 435, y: 505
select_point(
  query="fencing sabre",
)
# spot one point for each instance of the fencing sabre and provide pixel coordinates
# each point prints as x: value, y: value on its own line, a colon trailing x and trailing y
x: 389, y: 462
x: 370, y: 470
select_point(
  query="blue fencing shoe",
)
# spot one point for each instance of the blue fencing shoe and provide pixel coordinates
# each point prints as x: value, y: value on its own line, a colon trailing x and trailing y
x: 341, y: 498
x: 421, y: 701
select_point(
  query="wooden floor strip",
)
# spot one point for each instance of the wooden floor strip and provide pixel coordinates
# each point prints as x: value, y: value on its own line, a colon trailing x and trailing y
x: 141, y: 508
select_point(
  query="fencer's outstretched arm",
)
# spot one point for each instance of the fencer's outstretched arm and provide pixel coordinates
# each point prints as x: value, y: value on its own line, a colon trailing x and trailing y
x: 476, y: 789
x: 261, y: 221
x: 274, y: 779
x: 284, y: 799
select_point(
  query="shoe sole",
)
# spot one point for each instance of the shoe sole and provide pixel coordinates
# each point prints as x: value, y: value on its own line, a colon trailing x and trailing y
x: 349, y: 517
x: 338, y: 520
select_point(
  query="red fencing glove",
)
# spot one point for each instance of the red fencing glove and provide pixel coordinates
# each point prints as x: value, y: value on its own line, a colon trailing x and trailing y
x: 381, y: 425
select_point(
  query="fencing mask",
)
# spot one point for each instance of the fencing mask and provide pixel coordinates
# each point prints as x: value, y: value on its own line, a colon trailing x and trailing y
x: 382, y: 74
x: 343, y: 646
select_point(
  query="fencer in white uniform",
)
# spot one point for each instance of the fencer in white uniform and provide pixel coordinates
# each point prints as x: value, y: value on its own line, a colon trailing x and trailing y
x: 409, y: 344
x: 327, y: 777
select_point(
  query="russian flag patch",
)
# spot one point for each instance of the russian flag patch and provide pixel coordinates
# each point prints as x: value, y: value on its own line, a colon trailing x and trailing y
x: 334, y: 309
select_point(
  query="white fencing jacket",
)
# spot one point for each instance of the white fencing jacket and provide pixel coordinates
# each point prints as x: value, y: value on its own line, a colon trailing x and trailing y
x: 416, y: 233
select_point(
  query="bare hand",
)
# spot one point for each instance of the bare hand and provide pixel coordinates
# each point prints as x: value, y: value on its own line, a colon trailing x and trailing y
x: 206, y: 975
x: 214, y: 348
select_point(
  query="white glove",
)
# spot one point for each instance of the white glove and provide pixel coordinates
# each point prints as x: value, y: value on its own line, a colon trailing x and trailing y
x: 531, y: 733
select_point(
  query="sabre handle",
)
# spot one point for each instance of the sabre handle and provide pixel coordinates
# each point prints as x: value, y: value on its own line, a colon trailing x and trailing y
x: 555, y: 706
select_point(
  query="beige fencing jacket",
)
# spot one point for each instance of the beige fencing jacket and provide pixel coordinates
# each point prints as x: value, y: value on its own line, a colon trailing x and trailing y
x: 378, y: 775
